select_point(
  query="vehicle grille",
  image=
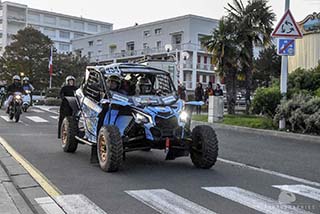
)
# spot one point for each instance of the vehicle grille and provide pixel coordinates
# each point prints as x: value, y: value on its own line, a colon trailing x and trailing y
x: 169, y: 123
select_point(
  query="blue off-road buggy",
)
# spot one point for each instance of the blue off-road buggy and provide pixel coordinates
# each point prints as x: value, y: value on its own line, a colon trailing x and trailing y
x: 128, y: 107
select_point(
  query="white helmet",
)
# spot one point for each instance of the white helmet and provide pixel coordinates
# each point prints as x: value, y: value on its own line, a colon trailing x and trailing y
x: 25, y: 79
x: 70, y: 78
x: 16, y: 77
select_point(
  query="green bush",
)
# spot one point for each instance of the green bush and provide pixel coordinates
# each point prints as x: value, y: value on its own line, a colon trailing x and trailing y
x: 266, y: 101
x: 317, y: 92
x: 302, y: 114
x: 304, y: 81
x: 53, y: 92
x: 52, y: 102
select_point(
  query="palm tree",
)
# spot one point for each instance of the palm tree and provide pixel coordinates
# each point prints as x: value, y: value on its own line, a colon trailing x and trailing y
x: 254, y: 27
x: 222, y: 45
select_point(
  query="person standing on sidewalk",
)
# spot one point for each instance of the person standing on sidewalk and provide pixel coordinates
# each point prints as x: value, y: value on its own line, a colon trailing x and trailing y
x: 199, y: 96
x: 218, y: 91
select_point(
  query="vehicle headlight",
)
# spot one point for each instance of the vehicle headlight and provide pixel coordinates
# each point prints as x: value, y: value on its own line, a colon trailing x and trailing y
x: 18, y: 97
x: 140, y: 118
x: 184, y: 116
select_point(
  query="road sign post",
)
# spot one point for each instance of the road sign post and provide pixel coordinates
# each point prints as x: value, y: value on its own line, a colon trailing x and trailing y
x: 287, y: 29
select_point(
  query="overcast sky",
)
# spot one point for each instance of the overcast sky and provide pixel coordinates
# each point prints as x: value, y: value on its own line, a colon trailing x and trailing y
x: 124, y: 13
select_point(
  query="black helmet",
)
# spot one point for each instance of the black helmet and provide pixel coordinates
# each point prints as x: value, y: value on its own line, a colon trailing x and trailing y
x: 145, y: 85
x: 113, y: 79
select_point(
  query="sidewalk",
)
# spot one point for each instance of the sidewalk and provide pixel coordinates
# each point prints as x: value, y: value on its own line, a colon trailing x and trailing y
x: 18, y: 189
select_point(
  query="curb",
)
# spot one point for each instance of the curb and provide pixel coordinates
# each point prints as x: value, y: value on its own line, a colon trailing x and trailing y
x: 281, y: 134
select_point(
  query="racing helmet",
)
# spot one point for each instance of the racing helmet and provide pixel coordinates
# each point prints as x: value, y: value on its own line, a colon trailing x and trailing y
x: 70, y: 78
x: 16, y: 77
x: 25, y: 79
x: 114, y: 82
x: 145, y: 85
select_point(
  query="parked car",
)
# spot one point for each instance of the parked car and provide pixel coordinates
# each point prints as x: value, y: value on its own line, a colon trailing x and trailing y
x: 116, y: 121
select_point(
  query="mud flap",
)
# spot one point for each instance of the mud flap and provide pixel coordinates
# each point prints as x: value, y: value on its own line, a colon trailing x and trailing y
x: 94, y: 156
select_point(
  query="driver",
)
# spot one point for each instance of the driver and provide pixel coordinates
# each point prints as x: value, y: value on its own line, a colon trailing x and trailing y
x: 14, y: 87
x: 113, y: 82
x: 144, y: 85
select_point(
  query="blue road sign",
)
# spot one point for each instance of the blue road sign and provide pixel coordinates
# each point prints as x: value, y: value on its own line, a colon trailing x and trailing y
x: 286, y: 47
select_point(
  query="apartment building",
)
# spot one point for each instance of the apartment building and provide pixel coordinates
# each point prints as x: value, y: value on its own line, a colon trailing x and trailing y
x: 60, y: 28
x: 183, y: 33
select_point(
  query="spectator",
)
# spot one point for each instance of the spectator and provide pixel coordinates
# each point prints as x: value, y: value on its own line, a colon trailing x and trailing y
x: 209, y: 92
x: 182, y: 92
x: 199, y: 96
x: 218, y: 91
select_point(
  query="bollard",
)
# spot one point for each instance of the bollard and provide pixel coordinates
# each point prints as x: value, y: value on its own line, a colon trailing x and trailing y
x: 215, y: 109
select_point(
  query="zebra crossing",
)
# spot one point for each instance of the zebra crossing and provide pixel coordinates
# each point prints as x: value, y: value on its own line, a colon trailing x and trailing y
x: 166, y: 202
x: 32, y: 119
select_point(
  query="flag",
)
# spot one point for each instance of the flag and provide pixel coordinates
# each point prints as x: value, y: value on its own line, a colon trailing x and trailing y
x: 50, y: 62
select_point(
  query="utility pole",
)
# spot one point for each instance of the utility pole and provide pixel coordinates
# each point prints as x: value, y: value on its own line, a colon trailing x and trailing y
x: 284, y: 76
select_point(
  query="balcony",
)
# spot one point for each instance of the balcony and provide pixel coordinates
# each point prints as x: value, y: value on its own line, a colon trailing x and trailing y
x: 206, y: 67
x: 18, y: 19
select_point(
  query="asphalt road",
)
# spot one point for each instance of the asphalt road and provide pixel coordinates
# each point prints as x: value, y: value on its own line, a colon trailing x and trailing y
x: 149, y: 184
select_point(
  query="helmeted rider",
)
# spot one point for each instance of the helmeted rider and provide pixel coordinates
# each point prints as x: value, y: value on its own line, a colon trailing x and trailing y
x: 26, y: 85
x: 14, y: 87
x: 144, y: 86
x: 69, y: 88
x: 113, y: 82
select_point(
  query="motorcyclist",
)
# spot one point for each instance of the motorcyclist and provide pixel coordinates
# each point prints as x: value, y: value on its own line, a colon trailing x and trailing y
x: 114, y: 82
x: 69, y: 88
x: 14, y: 87
x: 144, y: 86
x: 26, y: 85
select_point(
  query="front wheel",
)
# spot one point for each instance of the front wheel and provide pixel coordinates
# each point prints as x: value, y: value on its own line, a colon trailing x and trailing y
x: 17, y: 113
x: 204, y: 148
x: 110, y: 149
x: 69, y: 131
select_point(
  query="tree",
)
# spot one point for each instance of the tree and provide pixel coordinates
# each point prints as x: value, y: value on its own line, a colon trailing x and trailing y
x: 29, y: 54
x: 266, y: 67
x: 254, y: 26
x: 65, y: 65
x: 222, y: 45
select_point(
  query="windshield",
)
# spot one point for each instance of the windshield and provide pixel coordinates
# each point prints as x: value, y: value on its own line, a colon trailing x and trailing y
x: 135, y: 84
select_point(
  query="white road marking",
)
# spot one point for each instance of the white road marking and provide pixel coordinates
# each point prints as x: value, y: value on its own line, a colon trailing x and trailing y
x: 255, y: 201
x: 6, y: 118
x: 54, y: 117
x: 78, y: 204
x: 300, y: 180
x: 167, y: 202
x: 36, y: 110
x: 47, y: 108
x: 303, y: 190
x: 49, y: 205
x: 37, y: 119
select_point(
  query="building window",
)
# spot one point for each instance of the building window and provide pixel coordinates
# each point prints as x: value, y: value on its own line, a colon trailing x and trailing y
x: 99, y: 42
x: 90, y: 43
x: 64, y: 35
x: 145, y: 46
x: 49, y: 32
x: 146, y: 33
x: 65, y: 22
x: 92, y: 28
x: 90, y: 54
x: 64, y: 47
x: 130, y: 46
x: 77, y: 25
x: 159, y: 44
x: 78, y: 35
x: 199, y: 59
x: 34, y: 18
x: 205, y: 59
x: 204, y: 78
x: 157, y: 31
x: 49, y: 20
x: 104, y: 28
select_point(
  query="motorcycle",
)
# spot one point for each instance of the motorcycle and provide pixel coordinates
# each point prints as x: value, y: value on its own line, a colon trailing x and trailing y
x: 26, y: 101
x: 15, y: 107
